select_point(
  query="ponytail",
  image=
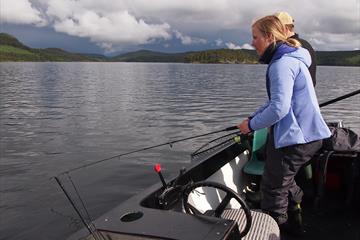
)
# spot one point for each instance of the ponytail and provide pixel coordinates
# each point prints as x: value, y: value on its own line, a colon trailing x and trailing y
x: 293, y: 42
x: 271, y: 25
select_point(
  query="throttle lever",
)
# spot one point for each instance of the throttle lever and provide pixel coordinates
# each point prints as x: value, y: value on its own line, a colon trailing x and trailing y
x: 157, y: 169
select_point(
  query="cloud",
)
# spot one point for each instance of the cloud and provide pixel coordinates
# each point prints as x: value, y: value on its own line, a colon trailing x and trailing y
x: 20, y: 12
x: 331, y: 41
x: 118, y: 28
x: 231, y: 45
x: 192, y: 15
x: 247, y: 46
x: 218, y: 42
x: 116, y: 24
x: 187, y: 40
x: 111, y: 28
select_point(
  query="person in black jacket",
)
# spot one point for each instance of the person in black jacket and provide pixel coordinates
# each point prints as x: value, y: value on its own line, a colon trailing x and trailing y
x: 288, y: 21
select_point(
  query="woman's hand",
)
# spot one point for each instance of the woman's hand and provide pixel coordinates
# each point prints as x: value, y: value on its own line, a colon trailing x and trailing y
x: 244, y: 126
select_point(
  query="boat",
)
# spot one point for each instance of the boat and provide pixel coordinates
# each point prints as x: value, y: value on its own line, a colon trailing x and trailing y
x: 217, y: 197
x: 209, y: 200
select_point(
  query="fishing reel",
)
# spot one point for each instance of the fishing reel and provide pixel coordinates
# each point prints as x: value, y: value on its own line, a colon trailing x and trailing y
x: 171, y: 192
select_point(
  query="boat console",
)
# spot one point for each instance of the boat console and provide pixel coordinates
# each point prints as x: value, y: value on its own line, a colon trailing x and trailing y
x: 175, y: 210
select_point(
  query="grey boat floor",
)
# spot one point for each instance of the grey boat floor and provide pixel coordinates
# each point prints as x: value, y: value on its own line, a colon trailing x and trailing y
x: 333, y: 219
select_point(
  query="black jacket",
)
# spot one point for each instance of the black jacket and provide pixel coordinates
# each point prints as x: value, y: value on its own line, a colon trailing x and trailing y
x: 306, y: 44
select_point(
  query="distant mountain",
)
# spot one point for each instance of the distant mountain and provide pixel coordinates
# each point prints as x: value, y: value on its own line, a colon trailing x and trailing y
x: 208, y: 56
x: 7, y: 39
x: 222, y: 56
x: 149, y: 56
x: 11, y: 49
x: 338, y: 58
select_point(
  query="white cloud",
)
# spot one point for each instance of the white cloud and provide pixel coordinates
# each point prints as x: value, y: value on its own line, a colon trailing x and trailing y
x: 329, y: 41
x: 247, y: 46
x: 112, y: 27
x: 20, y: 12
x: 138, y: 22
x: 115, y: 28
x: 108, y: 47
x: 231, y: 45
x: 218, y: 42
x: 187, y: 40
x: 192, y: 15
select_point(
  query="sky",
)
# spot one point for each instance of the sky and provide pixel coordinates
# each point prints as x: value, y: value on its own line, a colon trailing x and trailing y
x: 117, y: 26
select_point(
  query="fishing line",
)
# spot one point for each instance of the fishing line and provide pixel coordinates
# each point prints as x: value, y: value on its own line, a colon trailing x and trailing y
x: 73, y: 221
x: 79, y: 197
x: 91, y: 226
x: 208, y: 143
x: 88, y: 226
x: 170, y: 143
x: 147, y: 148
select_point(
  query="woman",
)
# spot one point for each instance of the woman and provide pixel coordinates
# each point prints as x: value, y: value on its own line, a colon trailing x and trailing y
x: 292, y: 114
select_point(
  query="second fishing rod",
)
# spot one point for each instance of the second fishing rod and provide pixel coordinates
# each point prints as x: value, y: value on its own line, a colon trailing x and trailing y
x: 170, y: 143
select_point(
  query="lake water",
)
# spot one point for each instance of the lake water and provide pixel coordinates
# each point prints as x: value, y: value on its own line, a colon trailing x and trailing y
x: 59, y: 116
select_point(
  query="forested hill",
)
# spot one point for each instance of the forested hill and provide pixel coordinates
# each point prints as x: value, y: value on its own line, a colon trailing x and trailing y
x: 11, y: 49
x: 149, y: 56
x: 338, y: 58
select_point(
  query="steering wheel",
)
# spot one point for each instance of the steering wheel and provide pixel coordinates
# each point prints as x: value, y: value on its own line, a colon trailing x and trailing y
x: 230, y: 194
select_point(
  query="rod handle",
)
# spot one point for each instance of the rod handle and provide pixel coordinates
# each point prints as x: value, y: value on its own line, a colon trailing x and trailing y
x: 231, y: 128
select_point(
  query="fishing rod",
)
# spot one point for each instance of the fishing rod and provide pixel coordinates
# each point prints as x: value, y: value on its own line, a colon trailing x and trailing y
x: 151, y: 147
x: 320, y: 105
x: 339, y: 98
x: 91, y: 231
x: 196, y: 136
x: 208, y: 143
x: 88, y: 226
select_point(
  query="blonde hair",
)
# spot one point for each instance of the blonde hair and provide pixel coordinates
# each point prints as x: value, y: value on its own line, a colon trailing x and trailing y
x: 272, y: 26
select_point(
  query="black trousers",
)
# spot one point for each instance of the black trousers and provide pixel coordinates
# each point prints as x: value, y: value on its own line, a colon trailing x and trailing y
x: 278, y: 185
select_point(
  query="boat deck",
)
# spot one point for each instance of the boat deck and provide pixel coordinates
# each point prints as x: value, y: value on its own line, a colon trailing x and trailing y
x: 331, y: 220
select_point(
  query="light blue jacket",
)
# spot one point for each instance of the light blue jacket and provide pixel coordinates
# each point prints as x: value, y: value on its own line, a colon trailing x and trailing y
x: 293, y: 108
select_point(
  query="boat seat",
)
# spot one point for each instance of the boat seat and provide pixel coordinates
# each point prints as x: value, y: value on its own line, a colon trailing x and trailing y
x: 255, y: 166
x: 263, y: 226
